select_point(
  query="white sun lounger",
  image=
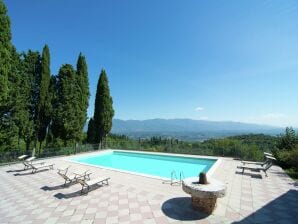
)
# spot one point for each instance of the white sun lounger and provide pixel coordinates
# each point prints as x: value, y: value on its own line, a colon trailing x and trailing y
x: 267, y: 160
x: 256, y: 169
x: 22, y: 157
x: 86, y: 184
x: 28, y: 162
x: 69, y: 178
x: 36, y: 167
x: 268, y: 154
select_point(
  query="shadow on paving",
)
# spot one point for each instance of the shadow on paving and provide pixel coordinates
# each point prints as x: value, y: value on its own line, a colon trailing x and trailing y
x: 252, y: 175
x: 58, y: 187
x: 181, y: 209
x: 76, y: 193
x: 30, y: 173
x: 281, y: 210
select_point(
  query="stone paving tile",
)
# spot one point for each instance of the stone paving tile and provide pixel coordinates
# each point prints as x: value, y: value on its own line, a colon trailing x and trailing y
x: 40, y: 198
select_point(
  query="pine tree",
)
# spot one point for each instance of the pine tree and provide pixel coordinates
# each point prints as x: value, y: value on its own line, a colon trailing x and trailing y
x: 103, y: 109
x: 83, y: 90
x: 90, y: 131
x: 44, y: 101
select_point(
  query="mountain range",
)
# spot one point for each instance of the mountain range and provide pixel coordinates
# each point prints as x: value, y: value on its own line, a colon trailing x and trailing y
x: 188, y: 129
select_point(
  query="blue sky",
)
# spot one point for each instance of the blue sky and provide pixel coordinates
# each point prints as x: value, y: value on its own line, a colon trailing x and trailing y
x: 215, y: 60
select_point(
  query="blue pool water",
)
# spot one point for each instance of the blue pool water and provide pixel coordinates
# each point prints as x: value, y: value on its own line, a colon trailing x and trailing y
x: 150, y: 164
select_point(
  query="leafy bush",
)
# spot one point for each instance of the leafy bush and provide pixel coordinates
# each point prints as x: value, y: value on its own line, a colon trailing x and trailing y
x: 288, y: 159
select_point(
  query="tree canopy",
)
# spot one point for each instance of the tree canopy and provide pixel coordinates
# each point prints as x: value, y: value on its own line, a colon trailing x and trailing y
x: 103, y: 108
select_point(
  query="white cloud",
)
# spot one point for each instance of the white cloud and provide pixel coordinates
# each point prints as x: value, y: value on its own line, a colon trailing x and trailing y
x: 203, y: 118
x: 199, y: 108
x: 272, y: 118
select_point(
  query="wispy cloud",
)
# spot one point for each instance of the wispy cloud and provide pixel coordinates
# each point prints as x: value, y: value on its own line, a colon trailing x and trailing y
x: 272, y: 118
x: 199, y: 108
x: 203, y: 118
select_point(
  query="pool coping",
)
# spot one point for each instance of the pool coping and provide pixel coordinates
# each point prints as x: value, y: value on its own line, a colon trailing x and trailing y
x: 209, y: 172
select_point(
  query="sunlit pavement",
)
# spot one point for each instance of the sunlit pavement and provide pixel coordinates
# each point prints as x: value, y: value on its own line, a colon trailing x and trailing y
x: 42, y: 198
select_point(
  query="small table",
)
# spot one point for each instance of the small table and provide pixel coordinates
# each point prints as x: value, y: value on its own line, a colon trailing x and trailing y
x: 204, y: 196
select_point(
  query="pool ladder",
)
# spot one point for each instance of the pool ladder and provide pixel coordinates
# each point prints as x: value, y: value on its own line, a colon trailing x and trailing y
x: 174, y: 179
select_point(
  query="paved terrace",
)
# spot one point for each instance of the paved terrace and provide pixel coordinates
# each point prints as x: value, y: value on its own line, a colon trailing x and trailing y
x: 41, y: 198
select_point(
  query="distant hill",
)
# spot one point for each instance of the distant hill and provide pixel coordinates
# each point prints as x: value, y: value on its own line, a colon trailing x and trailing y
x: 187, y: 129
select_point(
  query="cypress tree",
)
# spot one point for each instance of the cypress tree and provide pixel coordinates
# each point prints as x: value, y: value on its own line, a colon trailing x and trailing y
x: 53, y: 108
x: 83, y: 90
x: 90, y: 131
x: 8, y: 130
x: 5, y: 57
x: 65, y: 122
x: 31, y: 67
x: 103, y: 109
x: 44, y: 101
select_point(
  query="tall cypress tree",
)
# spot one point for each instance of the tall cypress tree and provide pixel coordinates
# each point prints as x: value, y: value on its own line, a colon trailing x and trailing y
x: 5, y: 57
x: 65, y: 123
x: 103, y: 109
x: 8, y: 131
x: 31, y: 67
x: 83, y: 90
x: 53, y: 108
x: 44, y: 101
x: 90, y: 131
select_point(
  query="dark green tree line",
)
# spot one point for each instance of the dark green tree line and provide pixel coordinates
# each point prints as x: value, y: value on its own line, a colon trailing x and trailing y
x: 35, y: 106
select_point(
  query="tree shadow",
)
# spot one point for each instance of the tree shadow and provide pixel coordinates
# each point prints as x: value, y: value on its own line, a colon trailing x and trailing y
x: 252, y: 175
x: 181, y: 209
x: 76, y: 193
x: 283, y: 210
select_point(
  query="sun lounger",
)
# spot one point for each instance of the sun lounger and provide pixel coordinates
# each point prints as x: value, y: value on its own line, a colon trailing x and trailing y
x: 86, y: 184
x: 69, y: 178
x: 36, y: 167
x: 22, y: 157
x: 267, y: 160
x: 28, y: 162
x: 256, y: 169
x: 268, y: 154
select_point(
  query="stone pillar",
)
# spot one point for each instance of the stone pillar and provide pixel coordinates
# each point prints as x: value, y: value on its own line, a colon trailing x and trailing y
x: 206, y: 205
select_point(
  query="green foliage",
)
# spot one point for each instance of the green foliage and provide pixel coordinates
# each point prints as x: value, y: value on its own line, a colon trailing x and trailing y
x: 103, y: 109
x: 287, y: 141
x: 8, y: 128
x: 65, y: 123
x: 293, y: 173
x: 5, y: 57
x: 44, y: 99
x: 288, y: 158
x: 287, y: 153
x: 90, y: 131
x: 83, y: 88
x: 32, y: 72
x: 34, y: 105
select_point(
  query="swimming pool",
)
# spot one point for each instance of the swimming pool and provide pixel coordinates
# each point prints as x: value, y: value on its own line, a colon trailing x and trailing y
x: 152, y: 164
